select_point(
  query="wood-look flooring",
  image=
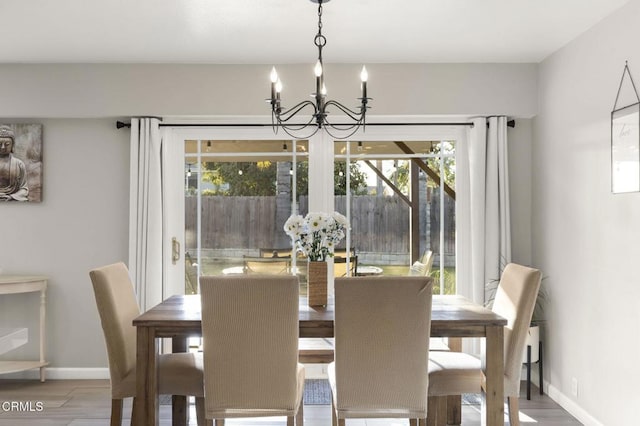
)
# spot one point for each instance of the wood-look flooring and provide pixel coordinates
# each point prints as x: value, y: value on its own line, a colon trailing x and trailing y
x: 88, y: 402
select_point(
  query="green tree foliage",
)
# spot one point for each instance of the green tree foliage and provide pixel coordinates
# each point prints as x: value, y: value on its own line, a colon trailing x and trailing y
x: 357, y: 182
x: 259, y: 178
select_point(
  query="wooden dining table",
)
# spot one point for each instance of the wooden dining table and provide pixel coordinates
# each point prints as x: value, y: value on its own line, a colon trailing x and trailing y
x: 179, y: 317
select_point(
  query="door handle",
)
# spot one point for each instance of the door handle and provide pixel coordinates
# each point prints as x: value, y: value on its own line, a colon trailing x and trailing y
x: 175, y: 250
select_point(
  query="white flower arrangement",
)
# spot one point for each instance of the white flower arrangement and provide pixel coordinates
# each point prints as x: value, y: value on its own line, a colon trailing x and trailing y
x: 316, y: 234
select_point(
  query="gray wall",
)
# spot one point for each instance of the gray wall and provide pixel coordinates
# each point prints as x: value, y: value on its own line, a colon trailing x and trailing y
x: 165, y: 90
x: 585, y: 239
x: 83, y: 219
x: 81, y: 223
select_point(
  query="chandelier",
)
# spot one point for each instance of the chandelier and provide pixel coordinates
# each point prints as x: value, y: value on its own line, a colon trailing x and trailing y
x: 319, y: 107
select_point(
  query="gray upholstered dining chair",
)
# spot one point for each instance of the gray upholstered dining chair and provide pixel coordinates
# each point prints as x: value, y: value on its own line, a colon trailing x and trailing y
x: 455, y: 373
x: 178, y: 374
x: 250, y: 339
x: 381, y: 328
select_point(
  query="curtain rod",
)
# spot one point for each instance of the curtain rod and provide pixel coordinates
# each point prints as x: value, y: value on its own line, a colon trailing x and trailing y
x: 121, y: 124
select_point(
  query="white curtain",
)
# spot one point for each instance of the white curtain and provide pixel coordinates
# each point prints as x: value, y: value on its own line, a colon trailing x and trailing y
x: 483, y: 221
x: 146, y: 211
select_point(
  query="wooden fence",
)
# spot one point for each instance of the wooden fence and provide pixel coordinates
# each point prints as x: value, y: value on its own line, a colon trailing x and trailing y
x: 382, y: 223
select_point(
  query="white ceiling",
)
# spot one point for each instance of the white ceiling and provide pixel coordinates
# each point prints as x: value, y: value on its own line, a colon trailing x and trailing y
x: 282, y: 31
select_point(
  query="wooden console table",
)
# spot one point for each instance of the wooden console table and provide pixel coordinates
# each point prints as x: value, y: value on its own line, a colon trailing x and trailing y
x: 13, y: 284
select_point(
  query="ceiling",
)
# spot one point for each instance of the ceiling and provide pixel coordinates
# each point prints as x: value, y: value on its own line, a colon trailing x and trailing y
x: 282, y: 31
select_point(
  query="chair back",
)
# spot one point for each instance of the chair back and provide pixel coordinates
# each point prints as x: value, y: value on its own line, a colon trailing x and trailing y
x: 117, y: 307
x: 275, y: 252
x: 382, y: 327
x: 427, y: 259
x: 267, y: 265
x: 250, y: 341
x: 422, y: 267
x: 340, y: 266
x: 515, y: 300
x: 190, y: 275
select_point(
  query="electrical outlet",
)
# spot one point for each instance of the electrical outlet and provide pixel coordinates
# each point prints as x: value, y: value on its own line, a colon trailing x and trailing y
x: 574, y: 386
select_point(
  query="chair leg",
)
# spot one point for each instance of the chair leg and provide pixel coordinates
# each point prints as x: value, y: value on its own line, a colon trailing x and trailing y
x: 116, y: 412
x: 219, y: 422
x: 334, y: 417
x: 422, y: 422
x: 514, y: 411
x: 200, y: 411
x: 300, y: 414
x: 413, y: 422
x: 134, y: 413
x: 179, y: 411
x: 290, y: 420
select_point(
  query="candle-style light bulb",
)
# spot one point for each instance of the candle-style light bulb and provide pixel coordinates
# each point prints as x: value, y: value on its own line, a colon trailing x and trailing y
x: 278, y: 86
x: 364, y: 75
x: 318, y: 68
x: 274, y: 78
x: 323, y: 91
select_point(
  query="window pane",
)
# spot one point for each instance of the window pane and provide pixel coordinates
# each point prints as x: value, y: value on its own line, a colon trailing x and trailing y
x: 404, y: 208
x: 238, y: 195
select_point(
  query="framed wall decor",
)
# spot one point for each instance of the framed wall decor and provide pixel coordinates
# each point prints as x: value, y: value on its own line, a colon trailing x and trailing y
x: 20, y: 163
x: 625, y: 140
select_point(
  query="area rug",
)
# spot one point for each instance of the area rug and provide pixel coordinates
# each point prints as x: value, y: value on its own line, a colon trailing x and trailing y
x: 471, y: 399
x: 317, y: 392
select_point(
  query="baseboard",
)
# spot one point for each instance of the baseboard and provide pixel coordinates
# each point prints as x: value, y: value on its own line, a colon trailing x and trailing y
x: 61, y: 374
x: 571, y: 406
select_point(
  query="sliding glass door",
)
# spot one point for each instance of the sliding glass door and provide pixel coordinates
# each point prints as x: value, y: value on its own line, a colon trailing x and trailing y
x: 396, y: 186
x: 401, y: 205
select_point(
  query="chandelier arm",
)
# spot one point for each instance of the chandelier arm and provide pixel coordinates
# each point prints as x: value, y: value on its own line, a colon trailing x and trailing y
x: 296, y: 127
x: 336, y: 136
x: 343, y: 127
x: 288, y: 131
x: 291, y: 112
x: 354, y: 115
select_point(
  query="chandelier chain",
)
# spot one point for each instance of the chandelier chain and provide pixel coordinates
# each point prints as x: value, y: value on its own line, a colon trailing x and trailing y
x: 320, y: 40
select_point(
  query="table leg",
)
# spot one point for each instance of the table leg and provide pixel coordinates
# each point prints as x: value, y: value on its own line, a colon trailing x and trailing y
x: 146, y: 378
x: 528, y: 372
x: 454, y: 402
x: 179, y: 413
x: 493, y: 364
x: 43, y: 328
x: 540, y: 366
